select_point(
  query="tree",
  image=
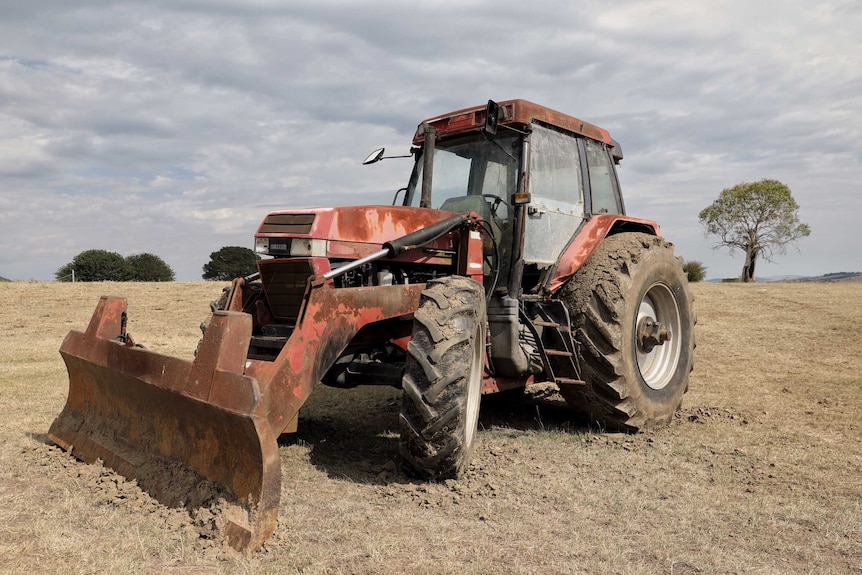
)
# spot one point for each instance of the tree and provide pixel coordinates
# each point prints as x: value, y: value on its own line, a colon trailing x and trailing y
x: 148, y: 268
x: 759, y: 218
x: 695, y: 271
x: 102, y: 265
x: 230, y: 262
x: 95, y: 266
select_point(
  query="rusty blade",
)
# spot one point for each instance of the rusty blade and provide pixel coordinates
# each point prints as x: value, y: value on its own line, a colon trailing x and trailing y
x: 192, y: 434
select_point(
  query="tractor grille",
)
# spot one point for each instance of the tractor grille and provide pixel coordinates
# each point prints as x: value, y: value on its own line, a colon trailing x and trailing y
x: 284, y: 284
x: 287, y: 224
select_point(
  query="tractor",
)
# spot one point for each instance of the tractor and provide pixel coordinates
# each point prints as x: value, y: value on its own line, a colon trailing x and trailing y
x: 507, y: 260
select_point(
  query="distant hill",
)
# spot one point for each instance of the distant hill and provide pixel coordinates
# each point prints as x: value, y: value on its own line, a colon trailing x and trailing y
x: 2, y: 279
x: 833, y: 277
x: 825, y: 278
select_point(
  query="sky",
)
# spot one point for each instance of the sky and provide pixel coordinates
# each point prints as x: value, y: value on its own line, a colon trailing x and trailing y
x: 173, y: 127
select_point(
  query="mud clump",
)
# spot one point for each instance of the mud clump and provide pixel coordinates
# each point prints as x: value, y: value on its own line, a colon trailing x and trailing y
x: 702, y: 415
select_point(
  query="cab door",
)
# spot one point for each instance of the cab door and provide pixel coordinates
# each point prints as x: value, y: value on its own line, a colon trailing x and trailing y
x: 556, y: 186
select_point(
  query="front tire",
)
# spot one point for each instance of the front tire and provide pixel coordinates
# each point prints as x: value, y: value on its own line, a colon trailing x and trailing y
x: 632, y: 312
x: 443, y: 379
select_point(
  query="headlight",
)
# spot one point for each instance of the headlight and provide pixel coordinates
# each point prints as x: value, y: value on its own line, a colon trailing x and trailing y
x: 295, y: 247
x: 308, y: 248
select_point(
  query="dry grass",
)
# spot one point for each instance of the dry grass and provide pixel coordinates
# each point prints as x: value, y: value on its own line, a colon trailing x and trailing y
x: 760, y: 473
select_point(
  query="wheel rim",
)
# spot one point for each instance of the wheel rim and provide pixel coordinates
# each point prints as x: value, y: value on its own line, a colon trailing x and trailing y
x: 474, y: 389
x: 658, y: 363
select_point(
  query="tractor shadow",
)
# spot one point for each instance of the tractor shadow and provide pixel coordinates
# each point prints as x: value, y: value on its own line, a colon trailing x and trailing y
x: 353, y: 434
x: 537, y: 408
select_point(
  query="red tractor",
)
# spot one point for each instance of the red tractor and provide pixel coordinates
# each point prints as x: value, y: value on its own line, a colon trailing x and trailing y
x: 506, y: 260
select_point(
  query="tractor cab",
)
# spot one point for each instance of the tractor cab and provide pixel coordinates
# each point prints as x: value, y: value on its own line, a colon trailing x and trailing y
x: 533, y: 174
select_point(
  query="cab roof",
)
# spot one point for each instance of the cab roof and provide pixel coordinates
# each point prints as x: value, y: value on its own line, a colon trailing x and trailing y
x: 518, y: 114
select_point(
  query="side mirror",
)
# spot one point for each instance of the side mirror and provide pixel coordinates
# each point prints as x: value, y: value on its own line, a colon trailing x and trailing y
x: 374, y: 156
x: 492, y: 115
x: 616, y: 151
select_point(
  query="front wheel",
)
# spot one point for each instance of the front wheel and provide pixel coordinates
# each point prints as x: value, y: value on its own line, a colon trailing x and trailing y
x: 632, y: 312
x: 443, y: 378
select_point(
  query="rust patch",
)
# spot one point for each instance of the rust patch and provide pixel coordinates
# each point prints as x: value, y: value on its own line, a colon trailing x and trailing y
x: 380, y: 224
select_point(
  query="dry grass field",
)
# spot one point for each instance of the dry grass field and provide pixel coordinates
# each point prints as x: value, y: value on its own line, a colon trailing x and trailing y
x: 761, y: 472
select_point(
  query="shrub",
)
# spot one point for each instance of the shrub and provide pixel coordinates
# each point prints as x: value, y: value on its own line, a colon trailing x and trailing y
x: 695, y: 271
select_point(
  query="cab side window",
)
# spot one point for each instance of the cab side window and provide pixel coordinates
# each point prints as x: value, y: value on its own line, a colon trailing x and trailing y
x: 603, y: 183
x: 555, y: 172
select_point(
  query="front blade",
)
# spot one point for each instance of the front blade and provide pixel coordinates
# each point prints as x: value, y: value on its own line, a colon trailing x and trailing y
x: 191, y: 433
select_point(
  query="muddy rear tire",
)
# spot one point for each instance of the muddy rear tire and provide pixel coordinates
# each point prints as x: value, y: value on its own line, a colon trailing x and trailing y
x: 443, y: 379
x: 632, y: 381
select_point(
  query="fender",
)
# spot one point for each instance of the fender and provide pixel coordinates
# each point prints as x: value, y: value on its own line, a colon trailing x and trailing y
x: 589, y: 236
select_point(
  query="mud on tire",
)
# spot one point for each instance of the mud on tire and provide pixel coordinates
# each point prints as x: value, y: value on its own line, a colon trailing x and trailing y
x: 630, y: 385
x: 443, y: 379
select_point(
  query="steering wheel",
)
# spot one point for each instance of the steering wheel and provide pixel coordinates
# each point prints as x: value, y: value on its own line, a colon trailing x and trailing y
x: 497, y: 200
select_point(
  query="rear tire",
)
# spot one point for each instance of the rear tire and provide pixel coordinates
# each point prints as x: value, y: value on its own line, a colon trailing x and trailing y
x: 630, y: 384
x: 443, y: 379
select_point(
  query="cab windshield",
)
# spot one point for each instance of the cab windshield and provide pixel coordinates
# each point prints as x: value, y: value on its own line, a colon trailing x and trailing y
x: 476, y: 174
x: 469, y: 167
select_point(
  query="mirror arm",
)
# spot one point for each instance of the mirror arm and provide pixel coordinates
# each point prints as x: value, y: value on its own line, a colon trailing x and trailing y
x: 395, y: 199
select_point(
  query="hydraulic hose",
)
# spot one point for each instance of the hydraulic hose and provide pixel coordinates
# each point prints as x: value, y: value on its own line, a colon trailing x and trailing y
x: 400, y: 245
x: 428, y: 234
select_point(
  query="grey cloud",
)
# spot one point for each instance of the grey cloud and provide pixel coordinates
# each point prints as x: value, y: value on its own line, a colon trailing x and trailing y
x: 172, y: 126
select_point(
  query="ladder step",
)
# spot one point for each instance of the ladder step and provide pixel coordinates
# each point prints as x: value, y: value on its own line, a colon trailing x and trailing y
x: 558, y: 352
x: 543, y: 323
x: 570, y: 381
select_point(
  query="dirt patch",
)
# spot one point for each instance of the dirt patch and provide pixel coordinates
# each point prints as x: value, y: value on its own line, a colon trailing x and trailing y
x: 713, y: 415
x: 202, y: 522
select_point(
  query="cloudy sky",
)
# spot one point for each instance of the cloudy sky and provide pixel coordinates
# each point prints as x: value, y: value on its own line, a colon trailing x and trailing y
x: 173, y: 126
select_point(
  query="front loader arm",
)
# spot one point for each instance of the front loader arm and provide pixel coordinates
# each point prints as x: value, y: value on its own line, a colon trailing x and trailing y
x: 203, y: 433
x: 198, y: 432
x: 330, y: 318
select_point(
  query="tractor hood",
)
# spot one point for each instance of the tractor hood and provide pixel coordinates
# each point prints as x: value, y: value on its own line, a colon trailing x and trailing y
x: 341, y: 232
